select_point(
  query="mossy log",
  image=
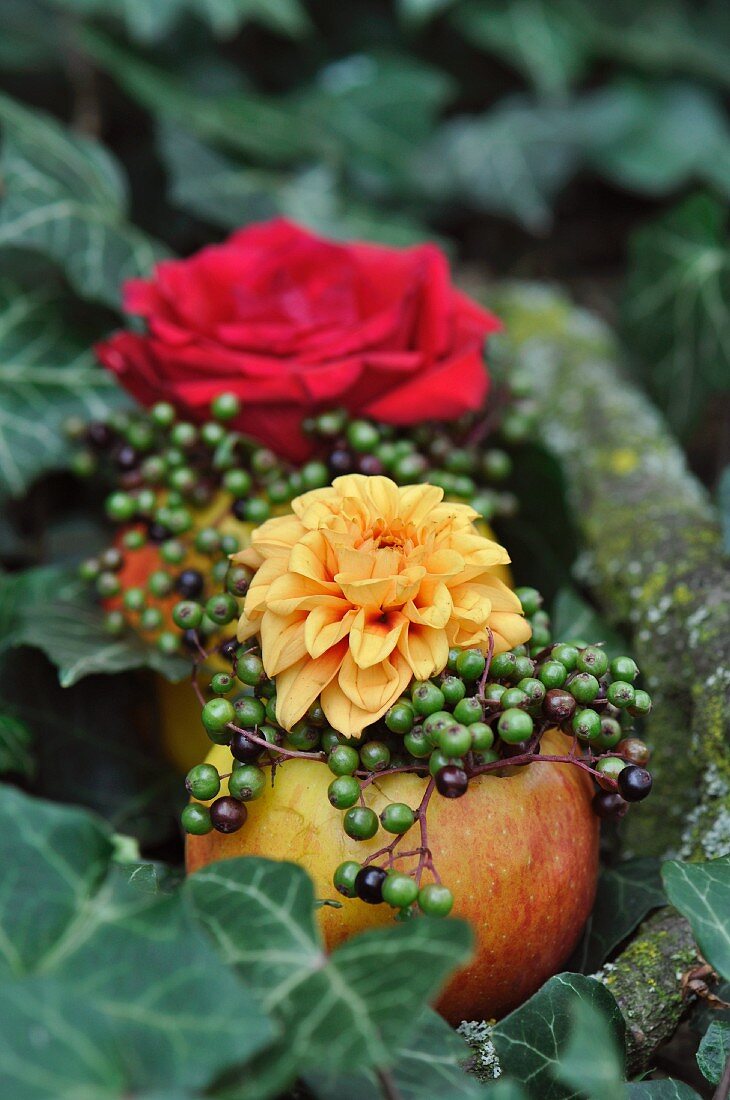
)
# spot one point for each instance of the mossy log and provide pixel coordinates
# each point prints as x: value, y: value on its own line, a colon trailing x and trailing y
x: 653, y: 559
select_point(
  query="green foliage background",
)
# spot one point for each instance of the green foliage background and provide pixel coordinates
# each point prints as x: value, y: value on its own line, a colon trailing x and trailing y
x: 579, y: 140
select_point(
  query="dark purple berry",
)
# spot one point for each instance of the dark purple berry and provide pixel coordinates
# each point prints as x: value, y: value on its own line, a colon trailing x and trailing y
x: 608, y: 805
x: 451, y: 781
x: 244, y: 749
x: 157, y: 532
x: 520, y: 748
x: 370, y: 464
x: 228, y: 649
x: 239, y: 508
x: 189, y: 584
x: 369, y: 884
x: 126, y: 457
x: 191, y: 640
x: 228, y: 814
x: 99, y: 435
x: 340, y: 461
x: 559, y: 705
x: 634, y: 783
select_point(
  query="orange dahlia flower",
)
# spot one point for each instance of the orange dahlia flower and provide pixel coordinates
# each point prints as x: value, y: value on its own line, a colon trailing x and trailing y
x: 364, y: 588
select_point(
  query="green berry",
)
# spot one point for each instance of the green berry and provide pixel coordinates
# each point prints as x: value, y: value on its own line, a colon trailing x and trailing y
x: 225, y: 406
x: 524, y: 667
x: 195, y: 819
x: 212, y: 434
x: 114, y: 623
x: 399, y: 719
x: 467, y: 711
x: 397, y: 817
x: 611, y: 766
x: 611, y: 733
x: 493, y: 692
x: 455, y: 740
x: 497, y: 466
x: 172, y: 552
x: 621, y: 694
x: 343, y: 792
x: 552, y: 674
x: 586, y: 725
x: 150, y: 619
x: 435, y: 900
x: 168, y: 642
x: 623, y: 668
x: 249, y: 712
x: 454, y: 690
x: 222, y: 683
x: 247, y: 783
x: 533, y: 689
x: 375, y: 756
x: 641, y: 705
x: 471, y: 664
x: 237, y: 580
x: 482, y: 737
x: 360, y: 823
x: 439, y: 760
x: 362, y: 436
x: 187, y: 615
x: 238, y: 482
x: 530, y: 599
x: 427, y: 698
x: 160, y: 583
x: 584, y: 687
x: 566, y: 654
x: 256, y: 510
x: 417, y: 743
x: 203, y: 782
x: 162, y: 414
x: 344, y: 878
x: 453, y: 657
x: 250, y: 669
x: 315, y: 475
x: 184, y: 435
x: 303, y: 737
x: 207, y: 541
x: 436, y: 722
x: 513, y: 697
x: 592, y: 659
x: 120, y: 507
x: 134, y: 599
x: 514, y: 726
x: 399, y: 890
x: 218, y: 714
x: 134, y: 540
x: 503, y: 666
x: 343, y: 760
x: 221, y: 608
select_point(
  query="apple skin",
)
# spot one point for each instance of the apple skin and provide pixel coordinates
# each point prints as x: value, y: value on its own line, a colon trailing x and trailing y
x: 519, y: 852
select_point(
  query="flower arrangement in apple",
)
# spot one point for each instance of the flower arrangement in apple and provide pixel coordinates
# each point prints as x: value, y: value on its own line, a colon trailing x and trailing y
x: 302, y: 510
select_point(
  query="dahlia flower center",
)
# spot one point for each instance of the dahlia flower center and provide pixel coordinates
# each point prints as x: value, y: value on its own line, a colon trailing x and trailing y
x: 388, y: 535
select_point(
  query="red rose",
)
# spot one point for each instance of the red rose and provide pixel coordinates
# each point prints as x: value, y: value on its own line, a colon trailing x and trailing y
x: 293, y: 324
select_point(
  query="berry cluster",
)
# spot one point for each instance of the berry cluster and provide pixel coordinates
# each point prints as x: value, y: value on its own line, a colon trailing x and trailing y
x: 183, y: 493
x: 482, y: 714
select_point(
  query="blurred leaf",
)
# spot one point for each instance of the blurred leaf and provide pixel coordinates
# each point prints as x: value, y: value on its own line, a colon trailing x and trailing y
x: 277, y: 133
x: 52, y: 609
x: 511, y: 161
x: 261, y: 915
x: 701, y: 892
x: 47, y: 374
x: 543, y: 40
x: 714, y: 1051
x: 63, y: 196
x: 95, y: 744
x: 573, y: 618
x: 660, y: 1090
x: 29, y: 39
x: 676, y: 307
x: 625, y: 895
x: 673, y: 134
x: 224, y: 193
x: 533, y: 1039
x: 16, y: 741
x: 417, y: 12
x: 149, y: 22
x: 593, y: 1061
x: 429, y: 1063
x: 106, y: 987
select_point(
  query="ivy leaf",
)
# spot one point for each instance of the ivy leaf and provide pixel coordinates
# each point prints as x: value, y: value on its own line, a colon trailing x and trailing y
x: 150, y: 22
x: 261, y: 916
x: 714, y: 1051
x: 64, y: 197
x: 46, y: 376
x: 593, y: 1059
x: 52, y: 609
x: 276, y: 133
x: 624, y: 897
x: 75, y: 932
x: 429, y: 1063
x: 226, y: 193
x: 535, y: 1038
x: 16, y: 741
x: 701, y: 892
x: 660, y: 1090
x: 676, y: 308
x: 574, y: 618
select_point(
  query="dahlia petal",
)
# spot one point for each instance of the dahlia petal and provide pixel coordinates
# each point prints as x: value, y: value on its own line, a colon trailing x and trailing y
x: 297, y: 687
x: 258, y: 590
x: 372, y: 593
x: 327, y: 625
x: 282, y: 641
x: 349, y: 718
x: 373, y: 637
x: 425, y: 650
x: 418, y: 501
x: 434, y: 608
x: 508, y: 630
